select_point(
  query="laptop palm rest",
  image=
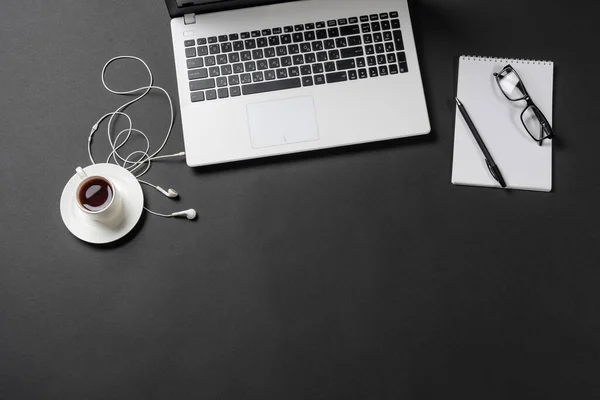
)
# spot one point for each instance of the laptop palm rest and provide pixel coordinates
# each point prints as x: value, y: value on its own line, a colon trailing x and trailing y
x: 279, y: 122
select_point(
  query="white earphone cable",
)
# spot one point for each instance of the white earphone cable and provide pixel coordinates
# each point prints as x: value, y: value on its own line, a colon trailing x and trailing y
x: 143, y: 158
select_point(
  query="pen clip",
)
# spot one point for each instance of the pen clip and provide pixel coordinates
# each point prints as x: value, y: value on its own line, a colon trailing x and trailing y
x: 491, y: 170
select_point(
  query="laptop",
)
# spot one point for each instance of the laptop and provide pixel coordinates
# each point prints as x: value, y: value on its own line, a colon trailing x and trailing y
x: 261, y: 78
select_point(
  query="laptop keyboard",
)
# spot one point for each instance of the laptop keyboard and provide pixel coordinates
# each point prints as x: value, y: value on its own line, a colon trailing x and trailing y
x: 320, y: 53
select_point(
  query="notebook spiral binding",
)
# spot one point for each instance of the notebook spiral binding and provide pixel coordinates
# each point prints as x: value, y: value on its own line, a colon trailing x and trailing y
x: 506, y: 60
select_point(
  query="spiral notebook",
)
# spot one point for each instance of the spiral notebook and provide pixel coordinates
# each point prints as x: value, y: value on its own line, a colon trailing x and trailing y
x: 524, y: 164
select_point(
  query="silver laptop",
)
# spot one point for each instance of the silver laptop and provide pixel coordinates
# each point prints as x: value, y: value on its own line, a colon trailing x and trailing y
x: 260, y: 78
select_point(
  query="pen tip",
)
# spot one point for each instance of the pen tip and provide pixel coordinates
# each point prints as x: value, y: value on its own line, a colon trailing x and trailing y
x: 457, y: 101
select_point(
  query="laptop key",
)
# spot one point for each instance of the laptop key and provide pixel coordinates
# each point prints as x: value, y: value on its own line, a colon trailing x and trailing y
x: 366, y: 28
x: 234, y: 36
x: 353, y: 20
x: 298, y: 37
x: 210, y: 61
x: 364, y: 18
x: 360, y: 62
x: 370, y: 49
x: 257, y: 77
x: 235, y: 91
x: 310, y: 58
x: 298, y: 59
x: 307, y: 81
x: 345, y: 64
x: 197, y: 74
x: 305, y: 70
x: 383, y: 70
x: 274, y: 63
x: 352, y: 52
x: 250, y: 66
x: 269, y: 75
x: 226, y: 70
x: 336, y: 77
x: 402, y: 57
x: 333, y: 32
x: 202, y: 85
x: 286, y: 61
x: 398, y: 40
x: 341, y: 42
x: 394, y: 14
x: 245, y: 35
x: 266, y: 32
x: 387, y: 36
x: 223, y: 38
x: 262, y: 65
x: 238, y: 46
x: 195, y: 63
x: 277, y: 31
x: 258, y: 54
x: 238, y: 68
x: 377, y: 37
x: 384, y: 16
x: 288, y: 29
x: 255, y: 34
x: 373, y: 72
x: 214, y: 71
x: 329, y: 44
x: 403, y: 67
x: 233, y: 80
x: 381, y: 59
x: 317, y: 46
x: 299, y: 27
x: 309, y: 36
x: 342, y: 21
x: 317, y: 68
x: 189, y: 43
x: 250, y: 44
x: 322, y: 56
x: 293, y: 49
x: 262, y: 42
x: 197, y: 96
x: 226, y: 47
x: 282, y: 73
x: 221, y: 59
x: 332, y: 22
x: 294, y: 71
x: 354, y: 40
x: 319, y: 79
x: 223, y: 93
x: 203, y: 50
x: 350, y: 30
x: 329, y: 66
x: 391, y: 58
x: 246, y: 56
x: 201, y: 41
x: 305, y: 47
x: 233, y: 58
x: 352, y: 75
x: 395, y: 24
x: 322, y: 34
x: 190, y: 52
x: 385, y: 25
x: 334, y: 54
x: 246, y: 78
x: 374, y: 17
x: 286, y: 39
x: 221, y: 81
x: 274, y: 41
x: 271, y: 86
x: 362, y: 73
x: 212, y: 39
x: 393, y: 69
x: 375, y: 26
x: 282, y: 51
x: 389, y: 47
x: 371, y: 61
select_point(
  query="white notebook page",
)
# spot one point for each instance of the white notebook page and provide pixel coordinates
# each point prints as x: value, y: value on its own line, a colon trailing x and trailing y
x: 522, y: 162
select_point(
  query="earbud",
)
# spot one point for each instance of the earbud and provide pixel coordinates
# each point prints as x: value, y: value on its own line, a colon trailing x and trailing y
x: 170, y: 193
x: 189, y: 214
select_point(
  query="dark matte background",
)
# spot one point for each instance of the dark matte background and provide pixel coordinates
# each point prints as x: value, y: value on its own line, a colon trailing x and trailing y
x: 347, y: 274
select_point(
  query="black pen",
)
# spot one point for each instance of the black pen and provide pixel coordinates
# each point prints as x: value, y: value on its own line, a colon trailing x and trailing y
x: 494, y: 170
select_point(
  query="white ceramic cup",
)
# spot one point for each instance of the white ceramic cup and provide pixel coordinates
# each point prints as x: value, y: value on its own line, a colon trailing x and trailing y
x: 112, y: 214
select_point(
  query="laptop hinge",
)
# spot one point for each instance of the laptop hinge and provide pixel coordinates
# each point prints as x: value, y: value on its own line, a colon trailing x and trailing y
x: 189, y: 19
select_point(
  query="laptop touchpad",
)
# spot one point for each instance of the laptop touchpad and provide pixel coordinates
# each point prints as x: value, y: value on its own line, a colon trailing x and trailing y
x: 278, y: 122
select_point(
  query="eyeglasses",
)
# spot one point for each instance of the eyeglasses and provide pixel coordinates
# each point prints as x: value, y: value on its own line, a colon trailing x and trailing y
x: 533, y: 119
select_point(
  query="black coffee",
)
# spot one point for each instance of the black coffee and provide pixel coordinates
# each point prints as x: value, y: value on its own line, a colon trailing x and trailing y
x: 96, y: 194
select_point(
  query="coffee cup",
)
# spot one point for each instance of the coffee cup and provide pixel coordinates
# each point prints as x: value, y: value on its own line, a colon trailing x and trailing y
x: 98, y: 198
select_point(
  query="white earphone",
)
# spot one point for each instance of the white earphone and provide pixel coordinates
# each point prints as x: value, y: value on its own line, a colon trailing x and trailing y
x: 145, y: 158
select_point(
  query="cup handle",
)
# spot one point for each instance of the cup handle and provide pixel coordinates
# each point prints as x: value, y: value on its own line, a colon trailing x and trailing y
x: 81, y: 173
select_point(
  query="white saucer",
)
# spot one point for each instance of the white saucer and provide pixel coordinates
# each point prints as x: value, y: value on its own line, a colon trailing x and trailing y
x: 92, y: 231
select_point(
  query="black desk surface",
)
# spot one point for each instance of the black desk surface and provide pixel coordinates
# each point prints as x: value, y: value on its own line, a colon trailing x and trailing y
x: 352, y: 273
